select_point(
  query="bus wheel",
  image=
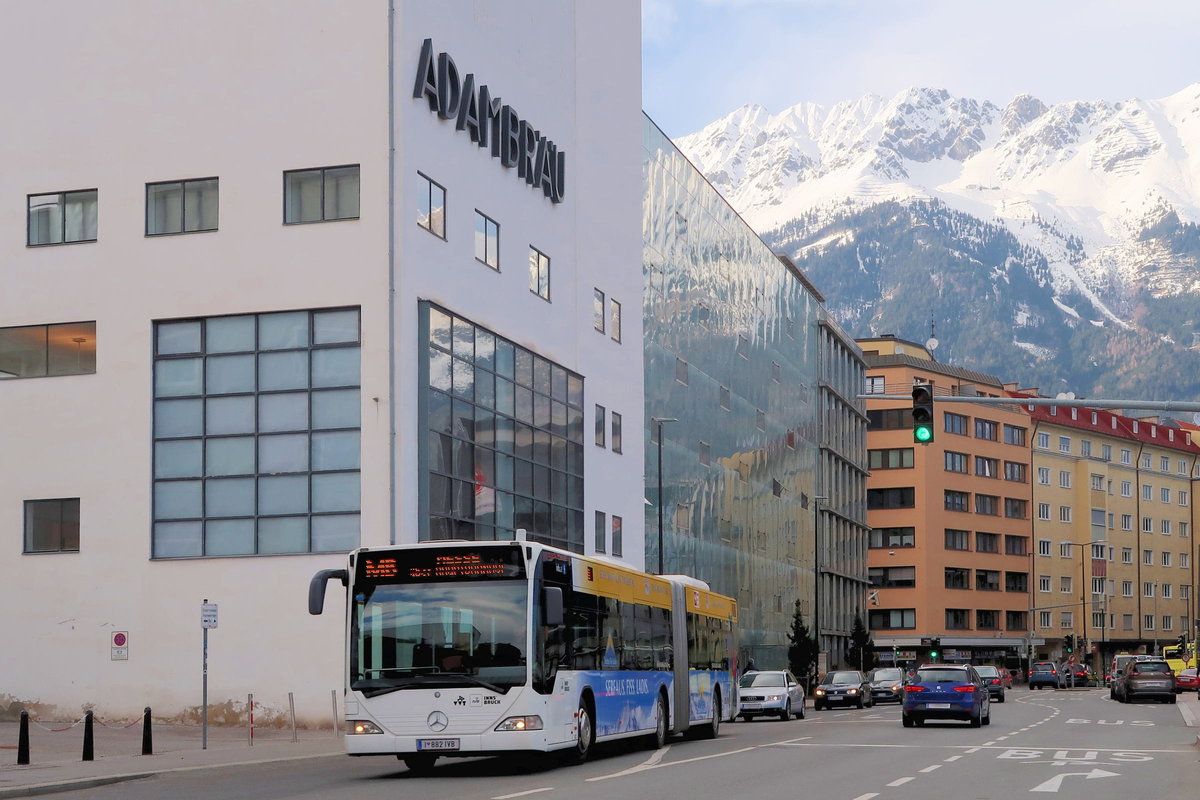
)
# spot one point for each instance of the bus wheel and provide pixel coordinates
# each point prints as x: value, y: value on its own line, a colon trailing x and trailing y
x: 585, y: 735
x: 713, y: 729
x: 419, y: 764
x: 658, y: 739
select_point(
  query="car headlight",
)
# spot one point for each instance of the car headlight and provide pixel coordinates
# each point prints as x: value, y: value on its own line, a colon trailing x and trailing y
x: 819, y: 692
x: 774, y: 698
x: 529, y: 723
x: 852, y: 691
x: 896, y: 688
x: 355, y: 727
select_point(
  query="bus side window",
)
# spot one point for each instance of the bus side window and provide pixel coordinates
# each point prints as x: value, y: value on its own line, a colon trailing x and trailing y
x: 627, y: 647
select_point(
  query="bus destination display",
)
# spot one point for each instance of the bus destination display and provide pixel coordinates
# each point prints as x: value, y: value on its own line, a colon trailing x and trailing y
x: 418, y: 566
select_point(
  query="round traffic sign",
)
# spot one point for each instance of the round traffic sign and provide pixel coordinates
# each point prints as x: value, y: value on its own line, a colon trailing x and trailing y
x: 118, y: 640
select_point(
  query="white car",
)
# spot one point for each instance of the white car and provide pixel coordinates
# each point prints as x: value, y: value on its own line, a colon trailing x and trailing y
x: 774, y: 693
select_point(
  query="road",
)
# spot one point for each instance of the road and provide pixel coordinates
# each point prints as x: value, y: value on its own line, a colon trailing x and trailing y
x: 1070, y: 744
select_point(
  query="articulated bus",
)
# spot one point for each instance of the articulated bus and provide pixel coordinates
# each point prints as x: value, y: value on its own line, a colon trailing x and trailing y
x: 467, y: 648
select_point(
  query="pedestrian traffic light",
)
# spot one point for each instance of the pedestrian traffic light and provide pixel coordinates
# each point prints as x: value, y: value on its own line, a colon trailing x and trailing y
x: 1069, y: 643
x: 935, y: 649
x: 922, y: 413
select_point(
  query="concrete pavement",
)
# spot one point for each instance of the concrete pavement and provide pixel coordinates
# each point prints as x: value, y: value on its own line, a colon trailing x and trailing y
x: 56, y: 750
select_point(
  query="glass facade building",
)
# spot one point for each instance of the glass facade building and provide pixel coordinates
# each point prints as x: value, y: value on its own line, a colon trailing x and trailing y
x: 731, y: 354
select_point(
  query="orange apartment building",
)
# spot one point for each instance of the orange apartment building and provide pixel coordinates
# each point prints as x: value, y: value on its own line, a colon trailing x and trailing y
x: 949, y: 553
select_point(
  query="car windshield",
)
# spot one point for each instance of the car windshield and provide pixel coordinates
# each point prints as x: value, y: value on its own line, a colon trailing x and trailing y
x: 987, y: 672
x: 887, y: 675
x: 941, y: 676
x: 762, y: 679
x: 843, y: 677
x: 1149, y: 666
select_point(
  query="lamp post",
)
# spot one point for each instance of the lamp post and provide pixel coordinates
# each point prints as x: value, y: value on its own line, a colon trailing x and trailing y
x: 658, y: 421
x: 816, y: 614
x: 1083, y: 590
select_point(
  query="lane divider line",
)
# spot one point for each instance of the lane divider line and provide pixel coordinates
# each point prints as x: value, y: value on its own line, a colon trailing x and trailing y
x: 900, y: 781
x: 522, y: 794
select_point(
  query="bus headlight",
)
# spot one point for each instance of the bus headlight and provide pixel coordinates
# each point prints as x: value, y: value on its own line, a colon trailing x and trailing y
x: 530, y: 723
x: 355, y: 727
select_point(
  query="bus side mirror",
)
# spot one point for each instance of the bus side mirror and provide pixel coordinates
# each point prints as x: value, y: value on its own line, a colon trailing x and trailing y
x: 553, y: 597
x: 316, y: 587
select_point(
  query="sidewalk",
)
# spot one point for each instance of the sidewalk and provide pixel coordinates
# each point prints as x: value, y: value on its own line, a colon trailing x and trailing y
x: 56, y: 765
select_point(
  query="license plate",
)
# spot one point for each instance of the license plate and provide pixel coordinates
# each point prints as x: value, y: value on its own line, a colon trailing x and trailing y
x: 937, y: 705
x: 752, y: 705
x: 437, y: 744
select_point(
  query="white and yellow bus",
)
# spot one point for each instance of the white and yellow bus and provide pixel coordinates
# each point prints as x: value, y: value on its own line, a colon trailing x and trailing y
x: 459, y: 648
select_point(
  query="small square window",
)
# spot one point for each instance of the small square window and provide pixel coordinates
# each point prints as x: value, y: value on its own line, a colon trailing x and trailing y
x: 52, y: 526
x: 487, y: 240
x: 181, y: 206
x: 61, y: 217
x: 327, y: 194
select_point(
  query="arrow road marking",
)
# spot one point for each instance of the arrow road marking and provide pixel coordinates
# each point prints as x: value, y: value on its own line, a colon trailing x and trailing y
x: 1055, y: 783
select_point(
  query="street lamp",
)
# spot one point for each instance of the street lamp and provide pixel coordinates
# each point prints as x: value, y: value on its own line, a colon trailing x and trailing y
x: 1083, y: 590
x: 658, y: 421
x: 817, y: 572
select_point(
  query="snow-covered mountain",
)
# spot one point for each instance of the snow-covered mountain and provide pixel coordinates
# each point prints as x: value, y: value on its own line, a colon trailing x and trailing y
x: 1097, y: 204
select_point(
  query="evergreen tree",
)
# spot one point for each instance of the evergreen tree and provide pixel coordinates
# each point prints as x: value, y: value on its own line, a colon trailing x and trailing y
x: 802, y: 653
x: 861, y: 651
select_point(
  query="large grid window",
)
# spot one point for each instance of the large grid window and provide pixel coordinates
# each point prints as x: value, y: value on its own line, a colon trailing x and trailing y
x: 504, y: 448
x: 322, y: 194
x: 256, y: 434
x: 181, y: 206
x: 42, y: 351
x: 52, y: 526
x: 62, y: 217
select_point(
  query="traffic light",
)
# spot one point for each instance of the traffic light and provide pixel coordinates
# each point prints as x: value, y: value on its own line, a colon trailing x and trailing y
x: 922, y: 413
x: 1182, y: 640
x: 935, y: 649
x: 1069, y: 642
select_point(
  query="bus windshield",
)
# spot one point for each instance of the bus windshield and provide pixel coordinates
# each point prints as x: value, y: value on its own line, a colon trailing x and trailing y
x: 419, y: 635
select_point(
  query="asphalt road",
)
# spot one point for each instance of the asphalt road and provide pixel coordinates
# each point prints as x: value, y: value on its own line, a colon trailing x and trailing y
x: 1075, y: 744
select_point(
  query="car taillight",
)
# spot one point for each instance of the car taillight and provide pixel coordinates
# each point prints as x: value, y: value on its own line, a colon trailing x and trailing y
x: 914, y: 688
x: 995, y: 680
x: 1053, y: 672
x: 1030, y: 675
x: 964, y: 688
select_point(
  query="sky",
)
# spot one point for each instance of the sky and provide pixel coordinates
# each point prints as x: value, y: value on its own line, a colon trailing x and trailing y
x: 702, y: 59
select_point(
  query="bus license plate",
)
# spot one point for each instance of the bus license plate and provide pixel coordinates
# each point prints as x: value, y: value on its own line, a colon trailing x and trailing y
x: 437, y: 744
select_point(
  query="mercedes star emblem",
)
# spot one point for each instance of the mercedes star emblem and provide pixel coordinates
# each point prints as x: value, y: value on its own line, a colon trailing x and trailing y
x: 437, y: 721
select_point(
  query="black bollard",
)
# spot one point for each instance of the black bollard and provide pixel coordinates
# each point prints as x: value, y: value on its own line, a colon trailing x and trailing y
x: 147, y: 734
x: 23, y: 739
x: 89, y: 749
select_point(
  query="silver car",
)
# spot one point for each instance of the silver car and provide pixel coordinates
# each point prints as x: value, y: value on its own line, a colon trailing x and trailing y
x: 887, y: 683
x: 774, y: 693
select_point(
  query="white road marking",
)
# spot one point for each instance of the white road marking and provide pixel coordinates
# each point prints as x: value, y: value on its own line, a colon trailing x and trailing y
x: 522, y: 794
x: 656, y: 757
x: 900, y: 781
x: 953, y: 758
x: 974, y: 749
x: 658, y: 763
x: 867, y: 796
x: 930, y: 768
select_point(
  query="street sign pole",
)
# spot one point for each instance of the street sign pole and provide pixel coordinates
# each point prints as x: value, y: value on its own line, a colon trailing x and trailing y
x: 208, y: 619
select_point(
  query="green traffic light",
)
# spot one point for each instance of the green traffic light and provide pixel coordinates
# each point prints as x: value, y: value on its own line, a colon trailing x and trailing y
x: 922, y: 433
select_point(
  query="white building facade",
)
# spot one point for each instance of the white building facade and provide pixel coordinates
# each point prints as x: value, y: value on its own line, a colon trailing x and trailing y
x: 284, y: 279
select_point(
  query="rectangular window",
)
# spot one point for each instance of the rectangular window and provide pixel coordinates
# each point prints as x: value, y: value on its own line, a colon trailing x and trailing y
x: 1183, y: 530
x: 1166, y: 558
x: 1165, y: 527
x: 431, y: 205
x: 1182, y: 465
x: 1044, y: 511
x: 958, y: 619
x: 957, y: 539
x: 598, y: 317
x: 958, y: 578
x: 986, y: 429
x: 1164, y: 495
x: 987, y: 504
x: 873, y: 384
x: 892, y: 619
x: 617, y: 536
x: 61, y: 217
x: 1064, y: 513
x: 1166, y: 622
x: 1183, y: 498
x: 987, y: 467
x: 326, y: 194
x: 1064, y: 479
x: 987, y: 580
x: 1097, y: 483
x: 1165, y: 590
x: 539, y: 273
x: 1126, y: 555
x: 43, y: 351
x: 1127, y: 588
x: 1164, y: 464
x: 1064, y: 549
x: 1016, y: 620
x: 601, y: 525
x: 181, y: 206
x: 1016, y: 545
x: 1127, y: 522
x: 957, y: 501
x: 1043, y: 547
x: 1014, y: 435
x: 956, y: 462
x: 1148, y: 558
x: 52, y: 526
x: 1097, y: 619
x: 1064, y: 444
x: 1085, y: 448
x: 1127, y: 622
x: 1146, y: 459
x: 487, y: 240
x: 1126, y: 489
x: 956, y: 423
x: 256, y: 435
x: 987, y: 619
x: 1066, y: 620
x: 1043, y: 583
x: 616, y: 432
x: 1106, y: 452
x: 1148, y: 619
x: 1126, y: 456
x: 601, y: 425
x: 1044, y: 476
x: 987, y: 542
x: 614, y: 318
x: 889, y: 419
x: 1185, y: 560
x: 1147, y: 588
x: 887, y: 538
x: 1014, y: 471
x: 1043, y: 441
x: 1016, y: 509
x: 1147, y: 525
x: 895, y: 458
x: 899, y: 497
x: 892, y: 577
x: 1098, y: 585
x: 1044, y: 619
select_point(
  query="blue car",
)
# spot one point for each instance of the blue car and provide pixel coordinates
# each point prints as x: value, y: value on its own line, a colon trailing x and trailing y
x: 946, y: 691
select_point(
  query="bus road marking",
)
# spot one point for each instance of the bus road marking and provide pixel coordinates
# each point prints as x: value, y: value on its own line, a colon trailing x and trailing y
x: 522, y: 794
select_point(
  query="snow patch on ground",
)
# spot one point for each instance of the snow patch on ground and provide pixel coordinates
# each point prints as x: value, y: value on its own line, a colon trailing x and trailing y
x: 1035, y: 350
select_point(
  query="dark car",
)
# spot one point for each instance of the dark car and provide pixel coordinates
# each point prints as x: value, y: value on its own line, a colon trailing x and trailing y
x: 1043, y: 674
x: 887, y: 683
x: 994, y: 679
x: 1076, y: 675
x: 847, y: 687
x: 946, y: 691
x: 1145, y: 679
